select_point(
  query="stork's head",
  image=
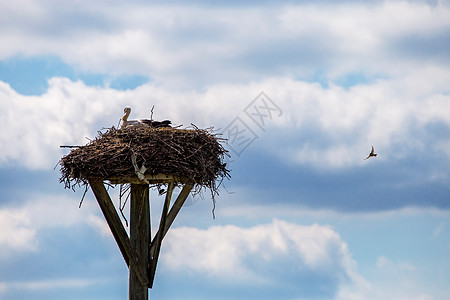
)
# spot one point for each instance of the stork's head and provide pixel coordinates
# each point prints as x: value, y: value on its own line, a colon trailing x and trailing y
x: 127, y: 110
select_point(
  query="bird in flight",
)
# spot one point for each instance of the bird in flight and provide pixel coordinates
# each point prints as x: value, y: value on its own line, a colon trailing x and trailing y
x: 372, y: 153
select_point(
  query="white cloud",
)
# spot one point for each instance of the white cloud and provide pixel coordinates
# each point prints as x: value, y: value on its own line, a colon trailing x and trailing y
x: 17, y: 233
x: 393, y: 281
x: 34, y: 286
x: 385, y: 264
x: 438, y: 230
x: 279, y: 252
x: 99, y: 224
x: 49, y: 284
x: 37, y: 126
x: 21, y: 226
x: 283, y: 210
x: 193, y: 45
x: 323, y: 127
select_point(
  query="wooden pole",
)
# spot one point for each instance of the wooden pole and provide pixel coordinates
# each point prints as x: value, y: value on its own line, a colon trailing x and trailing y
x: 139, y: 251
x: 139, y: 237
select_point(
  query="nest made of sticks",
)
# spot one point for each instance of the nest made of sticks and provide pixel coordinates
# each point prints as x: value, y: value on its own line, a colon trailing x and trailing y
x: 192, y: 154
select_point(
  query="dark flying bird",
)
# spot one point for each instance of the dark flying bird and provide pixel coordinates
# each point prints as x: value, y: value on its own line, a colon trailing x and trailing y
x: 372, y: 153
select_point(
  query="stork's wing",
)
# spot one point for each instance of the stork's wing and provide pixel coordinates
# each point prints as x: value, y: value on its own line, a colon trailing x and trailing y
x: 145, y: 121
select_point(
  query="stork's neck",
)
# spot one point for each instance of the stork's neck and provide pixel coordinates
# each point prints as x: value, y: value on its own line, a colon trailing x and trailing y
x: 125, y: 116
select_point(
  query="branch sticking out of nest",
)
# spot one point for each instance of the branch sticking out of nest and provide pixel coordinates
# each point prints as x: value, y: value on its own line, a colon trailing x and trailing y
x: 193, y: 154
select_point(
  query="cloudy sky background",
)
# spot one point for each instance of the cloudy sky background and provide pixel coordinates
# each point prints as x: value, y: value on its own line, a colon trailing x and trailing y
x: 304, y: 215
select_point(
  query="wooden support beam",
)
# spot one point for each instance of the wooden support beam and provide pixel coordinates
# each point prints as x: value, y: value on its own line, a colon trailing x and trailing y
x: 117, y: 229
x: 139, y: 237
x: 152, y: 179
x: 172, y: 214
x: 162, y: 224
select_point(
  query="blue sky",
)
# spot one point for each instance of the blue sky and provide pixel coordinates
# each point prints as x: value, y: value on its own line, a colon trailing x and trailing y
x: 304, y: 216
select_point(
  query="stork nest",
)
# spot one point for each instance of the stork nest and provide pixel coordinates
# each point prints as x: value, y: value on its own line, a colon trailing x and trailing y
x: 192, y: 154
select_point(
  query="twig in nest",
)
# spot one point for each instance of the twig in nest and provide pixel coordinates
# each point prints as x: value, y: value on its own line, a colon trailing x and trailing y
x: 214, y: 207
x: 227, y: 189
x: 84, y: 194
x: 121, y: 193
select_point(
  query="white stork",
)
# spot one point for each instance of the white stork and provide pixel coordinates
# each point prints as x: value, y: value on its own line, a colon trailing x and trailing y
x: 124, y: 122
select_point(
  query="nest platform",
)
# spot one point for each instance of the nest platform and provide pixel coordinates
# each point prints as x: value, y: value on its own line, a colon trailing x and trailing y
x: 148, y: 155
